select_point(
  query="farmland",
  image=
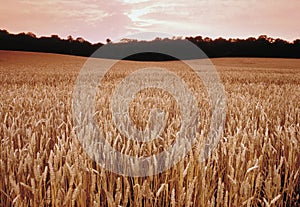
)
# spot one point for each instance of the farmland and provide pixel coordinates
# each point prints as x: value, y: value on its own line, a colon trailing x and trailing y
x: 256, y: 162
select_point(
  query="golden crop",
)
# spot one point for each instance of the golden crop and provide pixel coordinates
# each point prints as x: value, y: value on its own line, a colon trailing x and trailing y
x: 42, y: 163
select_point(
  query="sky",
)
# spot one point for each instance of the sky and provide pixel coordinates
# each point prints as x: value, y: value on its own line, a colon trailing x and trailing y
x: 95, y: 20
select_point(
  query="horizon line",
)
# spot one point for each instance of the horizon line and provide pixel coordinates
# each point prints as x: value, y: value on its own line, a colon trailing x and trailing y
x: 146, y: 40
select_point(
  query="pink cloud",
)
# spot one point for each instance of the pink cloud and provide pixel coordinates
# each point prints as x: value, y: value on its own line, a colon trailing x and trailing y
x: 97, y: 20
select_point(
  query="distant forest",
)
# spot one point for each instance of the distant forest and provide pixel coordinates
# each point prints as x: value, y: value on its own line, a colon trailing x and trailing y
x: 263, y: 46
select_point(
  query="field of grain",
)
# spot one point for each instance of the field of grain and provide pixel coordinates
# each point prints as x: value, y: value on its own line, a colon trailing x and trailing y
x: 42, y: 163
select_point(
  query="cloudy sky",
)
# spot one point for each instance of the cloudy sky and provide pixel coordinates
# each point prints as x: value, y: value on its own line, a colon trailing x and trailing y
x: 96, y: 20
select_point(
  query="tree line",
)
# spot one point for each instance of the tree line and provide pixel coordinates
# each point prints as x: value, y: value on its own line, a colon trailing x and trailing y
x: 263, y: 46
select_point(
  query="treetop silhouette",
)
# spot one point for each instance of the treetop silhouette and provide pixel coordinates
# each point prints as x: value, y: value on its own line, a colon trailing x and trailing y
x: 263, y: 46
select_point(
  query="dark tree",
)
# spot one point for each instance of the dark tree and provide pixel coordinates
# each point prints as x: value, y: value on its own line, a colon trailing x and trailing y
x: 263, y: 46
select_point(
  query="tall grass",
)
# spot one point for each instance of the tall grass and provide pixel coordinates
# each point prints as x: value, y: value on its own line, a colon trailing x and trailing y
x: 256, y: 162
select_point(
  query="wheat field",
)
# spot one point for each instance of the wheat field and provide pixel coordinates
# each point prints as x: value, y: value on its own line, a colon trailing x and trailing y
x: 42, y: 163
